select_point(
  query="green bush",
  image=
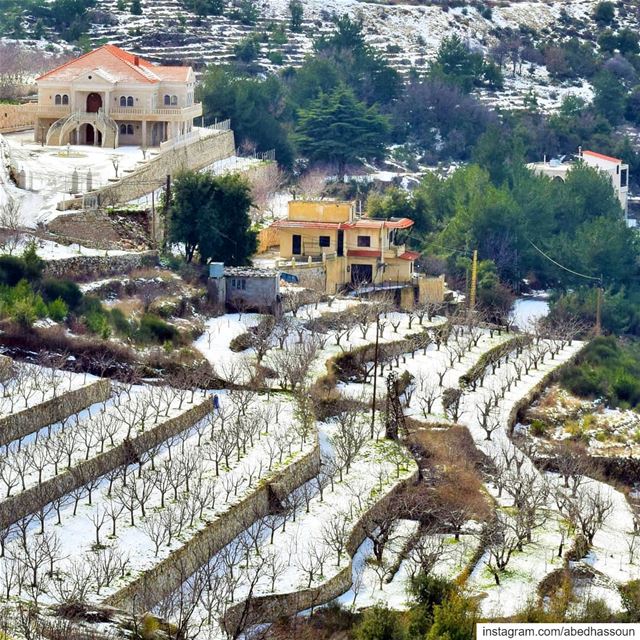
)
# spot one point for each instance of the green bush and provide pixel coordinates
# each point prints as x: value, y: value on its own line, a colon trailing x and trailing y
x: 379, y: 623
x: 430, y: 590
x: 33, y: 264
x: 57, y: 310
x: 155, y: 329
x: 608, y: 368
x: 120, y: 322
x: 65, y: 290
x: 630, y: 593
x: 24, y: 313
x: 454, y: 619
x: 11, y: 270
x: 538, y: 428
x: 97, y: 322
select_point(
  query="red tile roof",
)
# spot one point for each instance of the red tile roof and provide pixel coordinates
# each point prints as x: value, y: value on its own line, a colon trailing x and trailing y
x: 121, y: 65
x: 595, y: 154
x: 370, y: 223
x: 409, y: 255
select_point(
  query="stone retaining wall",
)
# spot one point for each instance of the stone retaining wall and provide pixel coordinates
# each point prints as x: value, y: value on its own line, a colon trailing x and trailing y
x: 13, y: 117
x: 263, y: 609
x: 26, y: 502
x: 31, y: 419
x: 86, y: 268
x: 152, y: 174
x: 535, y: 392
x: 167, y: 576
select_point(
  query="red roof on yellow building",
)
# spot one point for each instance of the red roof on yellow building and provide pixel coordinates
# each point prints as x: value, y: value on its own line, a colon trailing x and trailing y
x: 117, y: 64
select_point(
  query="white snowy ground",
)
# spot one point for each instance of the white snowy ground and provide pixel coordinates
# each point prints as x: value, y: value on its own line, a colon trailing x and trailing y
x: 609, y: 554
x: 526, y: 311
x: 112, y: 418
x: 75, y: 537
x: 220, y: 331
x: 32, y: 384
x: 425, y: 367
x: 375, y: 471
x: 49, y: 172
x: 395, y: 593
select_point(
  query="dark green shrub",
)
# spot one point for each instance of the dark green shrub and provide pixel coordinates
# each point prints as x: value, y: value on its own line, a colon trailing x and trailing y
x: 155, y: 329
x: 98, y: 323
x: 33, y: 264
x: 63, y: 289
x: 12, y: 270
x: 120, y: 322
x: 379, y: 623
x: 431, y: 590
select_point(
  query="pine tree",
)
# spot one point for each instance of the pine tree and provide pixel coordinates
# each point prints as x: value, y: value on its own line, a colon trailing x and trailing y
x: 136, y: 8
x: 340, y: 129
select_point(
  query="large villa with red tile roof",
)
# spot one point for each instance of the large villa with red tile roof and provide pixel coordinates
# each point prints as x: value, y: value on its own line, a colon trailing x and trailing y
x: 110, y: 98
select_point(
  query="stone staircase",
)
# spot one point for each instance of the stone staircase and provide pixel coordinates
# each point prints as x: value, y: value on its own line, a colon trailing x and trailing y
x: 59, y: 130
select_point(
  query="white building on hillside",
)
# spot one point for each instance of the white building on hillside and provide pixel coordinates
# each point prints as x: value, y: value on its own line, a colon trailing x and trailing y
x: 617, y: 170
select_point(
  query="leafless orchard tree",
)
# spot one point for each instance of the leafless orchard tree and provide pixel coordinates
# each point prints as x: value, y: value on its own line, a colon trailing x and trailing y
x: 335, y: 533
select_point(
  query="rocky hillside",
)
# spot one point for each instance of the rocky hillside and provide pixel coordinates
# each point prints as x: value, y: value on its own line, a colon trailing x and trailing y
x: 408, y: 34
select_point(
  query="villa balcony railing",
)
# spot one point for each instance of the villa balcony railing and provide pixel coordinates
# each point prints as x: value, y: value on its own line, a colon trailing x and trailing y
x: 139, y: 113
x: 47, y: 110
x: 133, y: 113
x: 302, y: 260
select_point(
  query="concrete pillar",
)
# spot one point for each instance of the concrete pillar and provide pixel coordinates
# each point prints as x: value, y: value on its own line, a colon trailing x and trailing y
x: 74, y: 182
x: 89, y: 180
x: 144, y: 134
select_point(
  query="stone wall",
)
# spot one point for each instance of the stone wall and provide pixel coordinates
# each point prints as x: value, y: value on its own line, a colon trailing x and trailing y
x: 152, y: 175
x: 167, y: 576
x: 94, y: 229
x: 26, y: 502
x: 535, y: 392
x: 14, y: 118
x: 262, y: 609
x: 33, y: 418
x: 85, y: 268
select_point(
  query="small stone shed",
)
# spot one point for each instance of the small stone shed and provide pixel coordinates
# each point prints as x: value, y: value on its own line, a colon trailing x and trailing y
x: 246, y: 288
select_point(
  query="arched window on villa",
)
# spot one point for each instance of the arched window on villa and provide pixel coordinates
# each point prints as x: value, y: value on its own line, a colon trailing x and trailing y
x: 174, y: 101
x: 123, y: 129
x: 129, y: 129
x: 58, y: 98
x: 123, y: 101
x: 167, y: 100
x: 65, y: 99
x: 130, y: 101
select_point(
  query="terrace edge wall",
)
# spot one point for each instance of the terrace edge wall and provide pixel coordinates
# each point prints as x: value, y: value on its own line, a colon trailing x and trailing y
x: 268, y: 608
x: 31, y: 419
x: 26, y: 502
x: 163, y: 579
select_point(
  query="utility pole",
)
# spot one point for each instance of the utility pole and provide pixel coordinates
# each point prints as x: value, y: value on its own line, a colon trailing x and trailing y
x: 474, y: 281
x: 375, y: 378
x: 154, y: 223
x: 597, y: 330
x: 167, y: 203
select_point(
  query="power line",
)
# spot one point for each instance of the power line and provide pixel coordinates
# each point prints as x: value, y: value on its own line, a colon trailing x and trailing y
x: 575, y: 273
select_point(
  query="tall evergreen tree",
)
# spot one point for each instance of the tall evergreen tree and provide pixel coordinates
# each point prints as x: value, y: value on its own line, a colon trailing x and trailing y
x: 209, y: 216
x: 339, y: 129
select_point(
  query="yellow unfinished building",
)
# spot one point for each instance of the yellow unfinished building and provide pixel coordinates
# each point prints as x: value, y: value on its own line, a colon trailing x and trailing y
x: 327, y: 239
